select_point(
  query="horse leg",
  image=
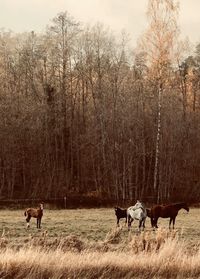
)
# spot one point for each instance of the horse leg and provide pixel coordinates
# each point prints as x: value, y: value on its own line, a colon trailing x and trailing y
x: 144, y: 220
x: 155, y: 223
x: 117, y: 222
x: 28, y: 220
x: 38, y: 223
x: 130, y: 220
x: 152, y: 222
x: 140, y: 224
x: 170, y: 221
x: 129, y: 223
x: 174, y: 221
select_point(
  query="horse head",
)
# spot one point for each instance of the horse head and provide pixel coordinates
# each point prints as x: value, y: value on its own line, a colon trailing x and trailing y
x: 41, y: 205
x: 185, y: 206
x: 139, y: 204
x: 116, y: 208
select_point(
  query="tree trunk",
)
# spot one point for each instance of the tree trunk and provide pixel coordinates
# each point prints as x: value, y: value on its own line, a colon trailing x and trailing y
x: 157, y: 151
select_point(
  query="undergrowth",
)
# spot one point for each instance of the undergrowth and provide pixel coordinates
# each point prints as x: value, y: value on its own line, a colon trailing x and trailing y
x: 158, y: 254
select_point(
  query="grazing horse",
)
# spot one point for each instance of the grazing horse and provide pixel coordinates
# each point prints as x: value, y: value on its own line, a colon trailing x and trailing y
x: 35, y: 213
x: 137, y: 212
x: 120, y: 213
x: 166, y: 211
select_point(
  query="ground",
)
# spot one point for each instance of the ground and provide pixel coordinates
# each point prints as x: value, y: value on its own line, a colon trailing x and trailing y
x: 85, y: 243
x: 89, y: 224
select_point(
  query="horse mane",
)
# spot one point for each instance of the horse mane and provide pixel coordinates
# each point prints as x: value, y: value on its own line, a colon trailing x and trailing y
x: 172, y: 204
x: 117, y: 207
x: 139, y: 202
x: 179, y: 204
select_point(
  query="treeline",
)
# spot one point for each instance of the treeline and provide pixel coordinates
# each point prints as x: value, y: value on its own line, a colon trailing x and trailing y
x: 78, y: 116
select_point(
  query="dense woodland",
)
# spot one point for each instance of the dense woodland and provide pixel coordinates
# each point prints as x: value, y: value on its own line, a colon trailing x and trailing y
x: 84, y: 112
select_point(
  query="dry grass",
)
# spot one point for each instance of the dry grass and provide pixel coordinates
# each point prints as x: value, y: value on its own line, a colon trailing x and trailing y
x: 87, y: 244
x: 147, y: 255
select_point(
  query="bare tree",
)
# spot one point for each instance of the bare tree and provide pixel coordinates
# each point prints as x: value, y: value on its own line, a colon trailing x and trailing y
x: 158, y: 42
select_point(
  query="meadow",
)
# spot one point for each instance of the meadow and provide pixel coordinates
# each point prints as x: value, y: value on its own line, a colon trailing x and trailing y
x: 89, y: 224
x: 85, y: 243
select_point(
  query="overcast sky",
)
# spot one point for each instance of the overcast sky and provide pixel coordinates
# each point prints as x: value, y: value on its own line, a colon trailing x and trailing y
x: 27, y: 15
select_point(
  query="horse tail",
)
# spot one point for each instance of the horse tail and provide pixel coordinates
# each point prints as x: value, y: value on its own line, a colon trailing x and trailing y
x: 25, y: 213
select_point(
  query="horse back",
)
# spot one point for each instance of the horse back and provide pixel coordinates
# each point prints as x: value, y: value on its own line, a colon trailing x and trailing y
x: 164, y: 211
x: 33, y: 212
x: 138, y: 213
x: 120, y: 212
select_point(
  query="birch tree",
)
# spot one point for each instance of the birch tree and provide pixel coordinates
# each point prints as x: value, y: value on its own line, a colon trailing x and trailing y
x: 158, y: 42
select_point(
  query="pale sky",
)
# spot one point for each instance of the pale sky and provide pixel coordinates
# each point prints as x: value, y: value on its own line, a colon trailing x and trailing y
x: 27, y: 15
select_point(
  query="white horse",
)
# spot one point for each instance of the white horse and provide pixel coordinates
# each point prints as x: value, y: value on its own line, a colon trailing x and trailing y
x: 137, y: 212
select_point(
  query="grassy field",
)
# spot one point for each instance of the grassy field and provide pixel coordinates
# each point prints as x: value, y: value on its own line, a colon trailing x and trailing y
x: 85, y: 243
x: 90, y: 224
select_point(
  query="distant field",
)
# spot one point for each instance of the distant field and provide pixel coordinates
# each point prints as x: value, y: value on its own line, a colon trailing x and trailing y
x: 89, y: 224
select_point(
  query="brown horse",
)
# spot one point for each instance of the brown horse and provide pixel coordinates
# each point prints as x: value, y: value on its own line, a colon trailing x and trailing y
x: 166, y: 211
x: 35, y: 213
x: 120, y: 213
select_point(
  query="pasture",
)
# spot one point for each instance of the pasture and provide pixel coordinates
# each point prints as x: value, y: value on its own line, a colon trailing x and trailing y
x: 88, y: 224
x: 54, y: 251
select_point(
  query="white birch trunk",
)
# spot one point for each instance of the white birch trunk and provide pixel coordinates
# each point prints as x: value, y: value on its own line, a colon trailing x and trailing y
x: 157, y: 151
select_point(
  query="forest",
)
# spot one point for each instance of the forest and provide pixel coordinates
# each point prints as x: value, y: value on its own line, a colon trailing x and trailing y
x: 84, y: 112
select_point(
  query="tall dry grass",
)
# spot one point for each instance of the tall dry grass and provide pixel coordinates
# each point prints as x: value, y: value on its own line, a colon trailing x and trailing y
x: 159, y: 254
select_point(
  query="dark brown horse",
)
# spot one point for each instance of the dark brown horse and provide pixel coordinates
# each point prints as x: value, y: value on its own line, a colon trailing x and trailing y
x: 35, y: 213
x: 166, y: 211
x: 120, y: 213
